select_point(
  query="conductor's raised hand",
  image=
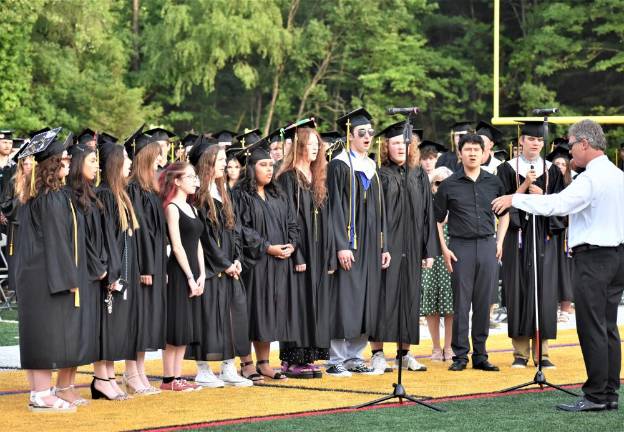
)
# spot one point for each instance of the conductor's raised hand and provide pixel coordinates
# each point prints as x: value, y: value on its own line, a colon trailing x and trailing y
x: 346, y: 259
x: 449, y: 258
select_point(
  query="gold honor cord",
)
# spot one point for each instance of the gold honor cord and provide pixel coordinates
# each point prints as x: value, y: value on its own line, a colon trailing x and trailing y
x: 98, y: 177
x: 350, y: 179
x: 75, y: 224
x: 11, y: 244
x: 379, y: 152
x: 452, y: 140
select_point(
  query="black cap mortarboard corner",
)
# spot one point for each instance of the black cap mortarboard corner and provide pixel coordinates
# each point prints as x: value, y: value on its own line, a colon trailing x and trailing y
x: 486, y: 129
x: 291, y: 130
x: 18, y: 142
x: 202, y: 143
x: 437, y: 146
x: 105, y: 148
x: 562, y: 150
x: 6, y: 134
x: 48, y: 144
x: 532, y: 128
x: 249, y: 137
x: 130, y: 142
x: 461, y: 126
x: 252, y: 154
x: 357, y: 117
x: 501, y: 155
x: 331, y: 137
x: 159, y: 134
x: 276, y: 136
x: 23, y: 144
x: 76, y: 149
x: 85, y: 136
x: 224, y: 136
x: 189, y: 139
x: 106, y: 137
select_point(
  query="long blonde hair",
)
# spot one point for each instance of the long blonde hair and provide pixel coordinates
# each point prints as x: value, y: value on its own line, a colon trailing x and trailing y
x: 317, y: 167
x: 21, y: 181
x: 117, y: 183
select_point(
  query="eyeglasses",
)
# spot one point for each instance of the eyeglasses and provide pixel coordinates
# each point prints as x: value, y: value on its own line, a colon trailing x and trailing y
x: 362, y: 132
x: 571, y: 144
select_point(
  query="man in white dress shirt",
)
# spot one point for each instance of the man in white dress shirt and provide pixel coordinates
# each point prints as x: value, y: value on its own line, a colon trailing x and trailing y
x: 595, y: 203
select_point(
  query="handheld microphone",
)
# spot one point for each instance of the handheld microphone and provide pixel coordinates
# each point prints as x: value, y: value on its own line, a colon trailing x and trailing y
x: 410, y: 110
x: 545, y: 111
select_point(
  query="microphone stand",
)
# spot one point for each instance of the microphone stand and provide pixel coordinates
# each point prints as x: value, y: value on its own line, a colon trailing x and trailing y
x: 540, y: 377
x: 398, y: 391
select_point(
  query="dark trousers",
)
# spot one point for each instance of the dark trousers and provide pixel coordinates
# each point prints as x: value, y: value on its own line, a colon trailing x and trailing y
x: 473, y: 279
x: 598, y: 286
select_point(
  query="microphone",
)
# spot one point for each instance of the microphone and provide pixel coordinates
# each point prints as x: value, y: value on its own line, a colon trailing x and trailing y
x: 410, y: 110
x: 545, y: 111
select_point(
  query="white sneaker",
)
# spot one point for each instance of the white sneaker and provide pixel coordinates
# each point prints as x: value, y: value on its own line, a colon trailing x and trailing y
x: 337, y: 370
x: 230, y: 377
x: 379, y: 363
x: 206, y: 378
x: 410, y: 363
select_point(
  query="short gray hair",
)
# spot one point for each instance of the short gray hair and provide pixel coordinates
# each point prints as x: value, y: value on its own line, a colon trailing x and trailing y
x: 591, y: 131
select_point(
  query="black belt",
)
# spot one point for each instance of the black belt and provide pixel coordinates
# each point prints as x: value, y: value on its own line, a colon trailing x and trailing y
x: 587, y: 247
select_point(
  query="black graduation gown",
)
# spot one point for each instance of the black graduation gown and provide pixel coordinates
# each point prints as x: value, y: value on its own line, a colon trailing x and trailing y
x: 10, y: 207
x: 517, y: 270
x: 268, y: 280
x: 310, y: 296
x: 410, y: 220
x: 355, y: 294
x: 54, y: 333
x: 225, y: 322
x: 150, y: 242
x: 118, y: 329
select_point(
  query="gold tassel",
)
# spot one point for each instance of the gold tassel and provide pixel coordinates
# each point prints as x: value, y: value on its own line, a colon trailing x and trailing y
x: 378, y: 152
x: 98, y: 176
x: 172, y: 153
x: 452, y: 141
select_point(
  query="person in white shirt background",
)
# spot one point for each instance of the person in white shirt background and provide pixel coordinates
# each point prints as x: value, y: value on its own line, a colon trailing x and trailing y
x: 595, y: 203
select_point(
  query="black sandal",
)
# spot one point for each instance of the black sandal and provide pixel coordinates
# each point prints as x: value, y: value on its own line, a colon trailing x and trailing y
x: 277, y: 376
x: 254, y: 377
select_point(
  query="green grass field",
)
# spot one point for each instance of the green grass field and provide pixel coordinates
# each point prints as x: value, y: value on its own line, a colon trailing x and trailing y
x: 8, y: 331
x: 528, y: 412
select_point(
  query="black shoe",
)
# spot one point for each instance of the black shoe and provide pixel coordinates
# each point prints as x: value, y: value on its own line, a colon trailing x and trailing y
x: 547, y: 364
x: 457, y: 366
x: 582, y: 405
x: 486, y: 366
x: 519, y: 363
x: 613, y: 405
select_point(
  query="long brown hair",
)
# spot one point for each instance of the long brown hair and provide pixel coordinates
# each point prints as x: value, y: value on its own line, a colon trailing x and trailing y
x: 83, y: 189
x: 317, y: 167
x: 47, y: 179
x: 143, y: 167
x: 567, y: 177
x: 203, y: 199
x: 413, y: 152
x: 113, y: 176
x: 21, y: 181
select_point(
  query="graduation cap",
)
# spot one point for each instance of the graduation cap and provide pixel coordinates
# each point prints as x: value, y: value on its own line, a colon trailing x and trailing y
x: 202, y: 143
x: 431, y: 144
x: 357, y: 117
x: 37, y: 132
x: 48, y: 144
x: 486, y: 129
x: 131, y: 142
x: 105, y: 148
x: 159, y: 134
x: 276, y: 136
x: 189, y: 139
x: 249, y: 137
x: 461, y: 126
x: 331, y: 137
x: 106, y: 137
x: 562, y: 150
x: 224, y: 136
x: 18, y: 142
x: 23, y: 144
x: 85, y: 136
x: 291, y: 130
x: 77, y: 149
x: 501, y: 154
x: 532, y: 128
x: 255, y: 152
x: 6, y: 134
x: 232, y: 151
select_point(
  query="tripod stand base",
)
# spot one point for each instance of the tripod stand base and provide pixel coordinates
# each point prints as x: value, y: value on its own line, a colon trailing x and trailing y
x: 399, y: 392
x: 540, y: 380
